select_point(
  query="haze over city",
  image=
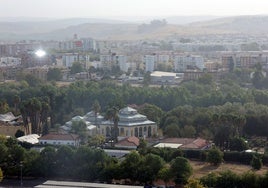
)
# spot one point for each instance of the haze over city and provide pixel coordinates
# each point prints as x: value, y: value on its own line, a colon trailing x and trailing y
x: 126, y: 9
x: 144, y: 93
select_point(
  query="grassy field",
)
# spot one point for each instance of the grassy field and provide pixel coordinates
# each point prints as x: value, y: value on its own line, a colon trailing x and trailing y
x: 202, y: 168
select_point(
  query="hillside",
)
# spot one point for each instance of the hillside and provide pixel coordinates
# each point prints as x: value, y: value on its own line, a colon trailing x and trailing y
x: 120, y: 30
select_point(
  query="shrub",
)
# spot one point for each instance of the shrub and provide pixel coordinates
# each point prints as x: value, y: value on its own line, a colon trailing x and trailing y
x: 214, y: 156
x: 256, y: 162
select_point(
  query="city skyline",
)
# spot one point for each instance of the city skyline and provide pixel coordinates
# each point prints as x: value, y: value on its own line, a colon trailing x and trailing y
x: 126, y: 9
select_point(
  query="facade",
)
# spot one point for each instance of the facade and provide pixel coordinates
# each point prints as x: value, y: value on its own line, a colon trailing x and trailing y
x: 131, y: 123
x: 185, y: 143
x: 184, y: 62
x: 150, y: 62
x: 88, y: 119
x: 38, y: 72
x: 69, y: 58
x: 159, y: 77
x: 89, y: 44
x: 9, y: 61
x: 60, y: 139
x: 244, y: 60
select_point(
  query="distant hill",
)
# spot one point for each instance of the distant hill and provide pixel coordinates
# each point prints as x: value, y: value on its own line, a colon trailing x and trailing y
x: 116, y: 30
x: 239, y: 24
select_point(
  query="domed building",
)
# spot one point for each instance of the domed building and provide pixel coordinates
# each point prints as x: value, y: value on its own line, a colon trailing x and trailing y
x: 130, y: 123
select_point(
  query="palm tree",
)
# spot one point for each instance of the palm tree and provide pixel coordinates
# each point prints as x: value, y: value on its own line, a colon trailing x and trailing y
x: 96, y: 108
x: 112, y: 114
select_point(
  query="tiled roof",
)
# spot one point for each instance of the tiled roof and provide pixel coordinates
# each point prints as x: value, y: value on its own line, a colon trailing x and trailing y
x: 129, y: 141
x: 187, y: 143
x: 55, y: 136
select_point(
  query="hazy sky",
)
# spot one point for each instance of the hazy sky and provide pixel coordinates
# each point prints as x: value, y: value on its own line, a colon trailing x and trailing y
x: 129, y: 8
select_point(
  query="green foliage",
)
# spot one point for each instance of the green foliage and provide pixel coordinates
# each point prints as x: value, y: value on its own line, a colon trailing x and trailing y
x: 1, y: 175
x: 19, y: 133
x: 238, y: 144
x: 181, y: 170
x: 152, y: 112
x: 210, y: 180
x: 54, y: 74
x: 76, y: 68
x: 250, y: 180
x: 214, y: 156
x: 256, y: 162
x: 96, y: 140
x: 131, y: 167
x: 194, y: 183
x: 228, y: 179
x: 150, y: 166
x: 165, y: 174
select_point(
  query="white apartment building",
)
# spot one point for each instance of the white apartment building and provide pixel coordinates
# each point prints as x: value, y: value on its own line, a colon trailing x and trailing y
x: 150, y: 62
x: 69, y: 58
x: 9, y: 61
x: 162, y: 58
x: 89, y: 44
x: 183, y: 62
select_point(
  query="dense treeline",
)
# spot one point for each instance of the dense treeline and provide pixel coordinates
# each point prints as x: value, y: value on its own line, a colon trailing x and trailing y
x: 139, y: 167
x: 222, y: 111
x: 85, y: 163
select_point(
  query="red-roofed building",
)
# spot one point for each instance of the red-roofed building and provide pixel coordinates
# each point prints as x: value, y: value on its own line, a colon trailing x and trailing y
x: 60, y: 139
x: 128, y: 142
x: 185, y: 143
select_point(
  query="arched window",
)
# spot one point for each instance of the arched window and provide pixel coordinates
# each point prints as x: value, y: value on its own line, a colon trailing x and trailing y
x: 149, y: 131
x: 136, y: 132
x: 108, y: 131
x: 140, y: 132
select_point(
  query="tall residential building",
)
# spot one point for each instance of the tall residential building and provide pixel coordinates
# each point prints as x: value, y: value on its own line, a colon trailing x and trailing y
x: 89, y: 44
x: 150, y: 63
x: 69, y: 58
x: 9, y: 61
x: 184, y: 62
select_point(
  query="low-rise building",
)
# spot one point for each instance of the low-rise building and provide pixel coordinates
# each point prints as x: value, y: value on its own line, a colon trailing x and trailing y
x: 10, y: 124
x: 184, y: 143
x: 60, y: 139
x: 130, y: 123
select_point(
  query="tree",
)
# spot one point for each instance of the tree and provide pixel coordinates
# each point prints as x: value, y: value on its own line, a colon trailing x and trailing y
x: 113, y: 115
x: 147, y: 79
x: 47, y: 160
x: 227, y: 179
x: 96, y: 108
x: 181, y: 170
x: 172, y: 130
x: 238, y: 144
x: 19, y: 133
x: 4, y: 108
x: 131, y: 167
x: 80, y: 128
x: 54, y: 74
x: 250, y: 180
x: 165, y: 174
x: 214, y: 156
x: 96, y: 140
x: 76, y: 68
x: 256, y: 162
x: 1, y: 175
x: 258, y: 76
x: 150, y: 166
x: 152, y: 112
x: 194, y: 183
x: 188, y: 131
